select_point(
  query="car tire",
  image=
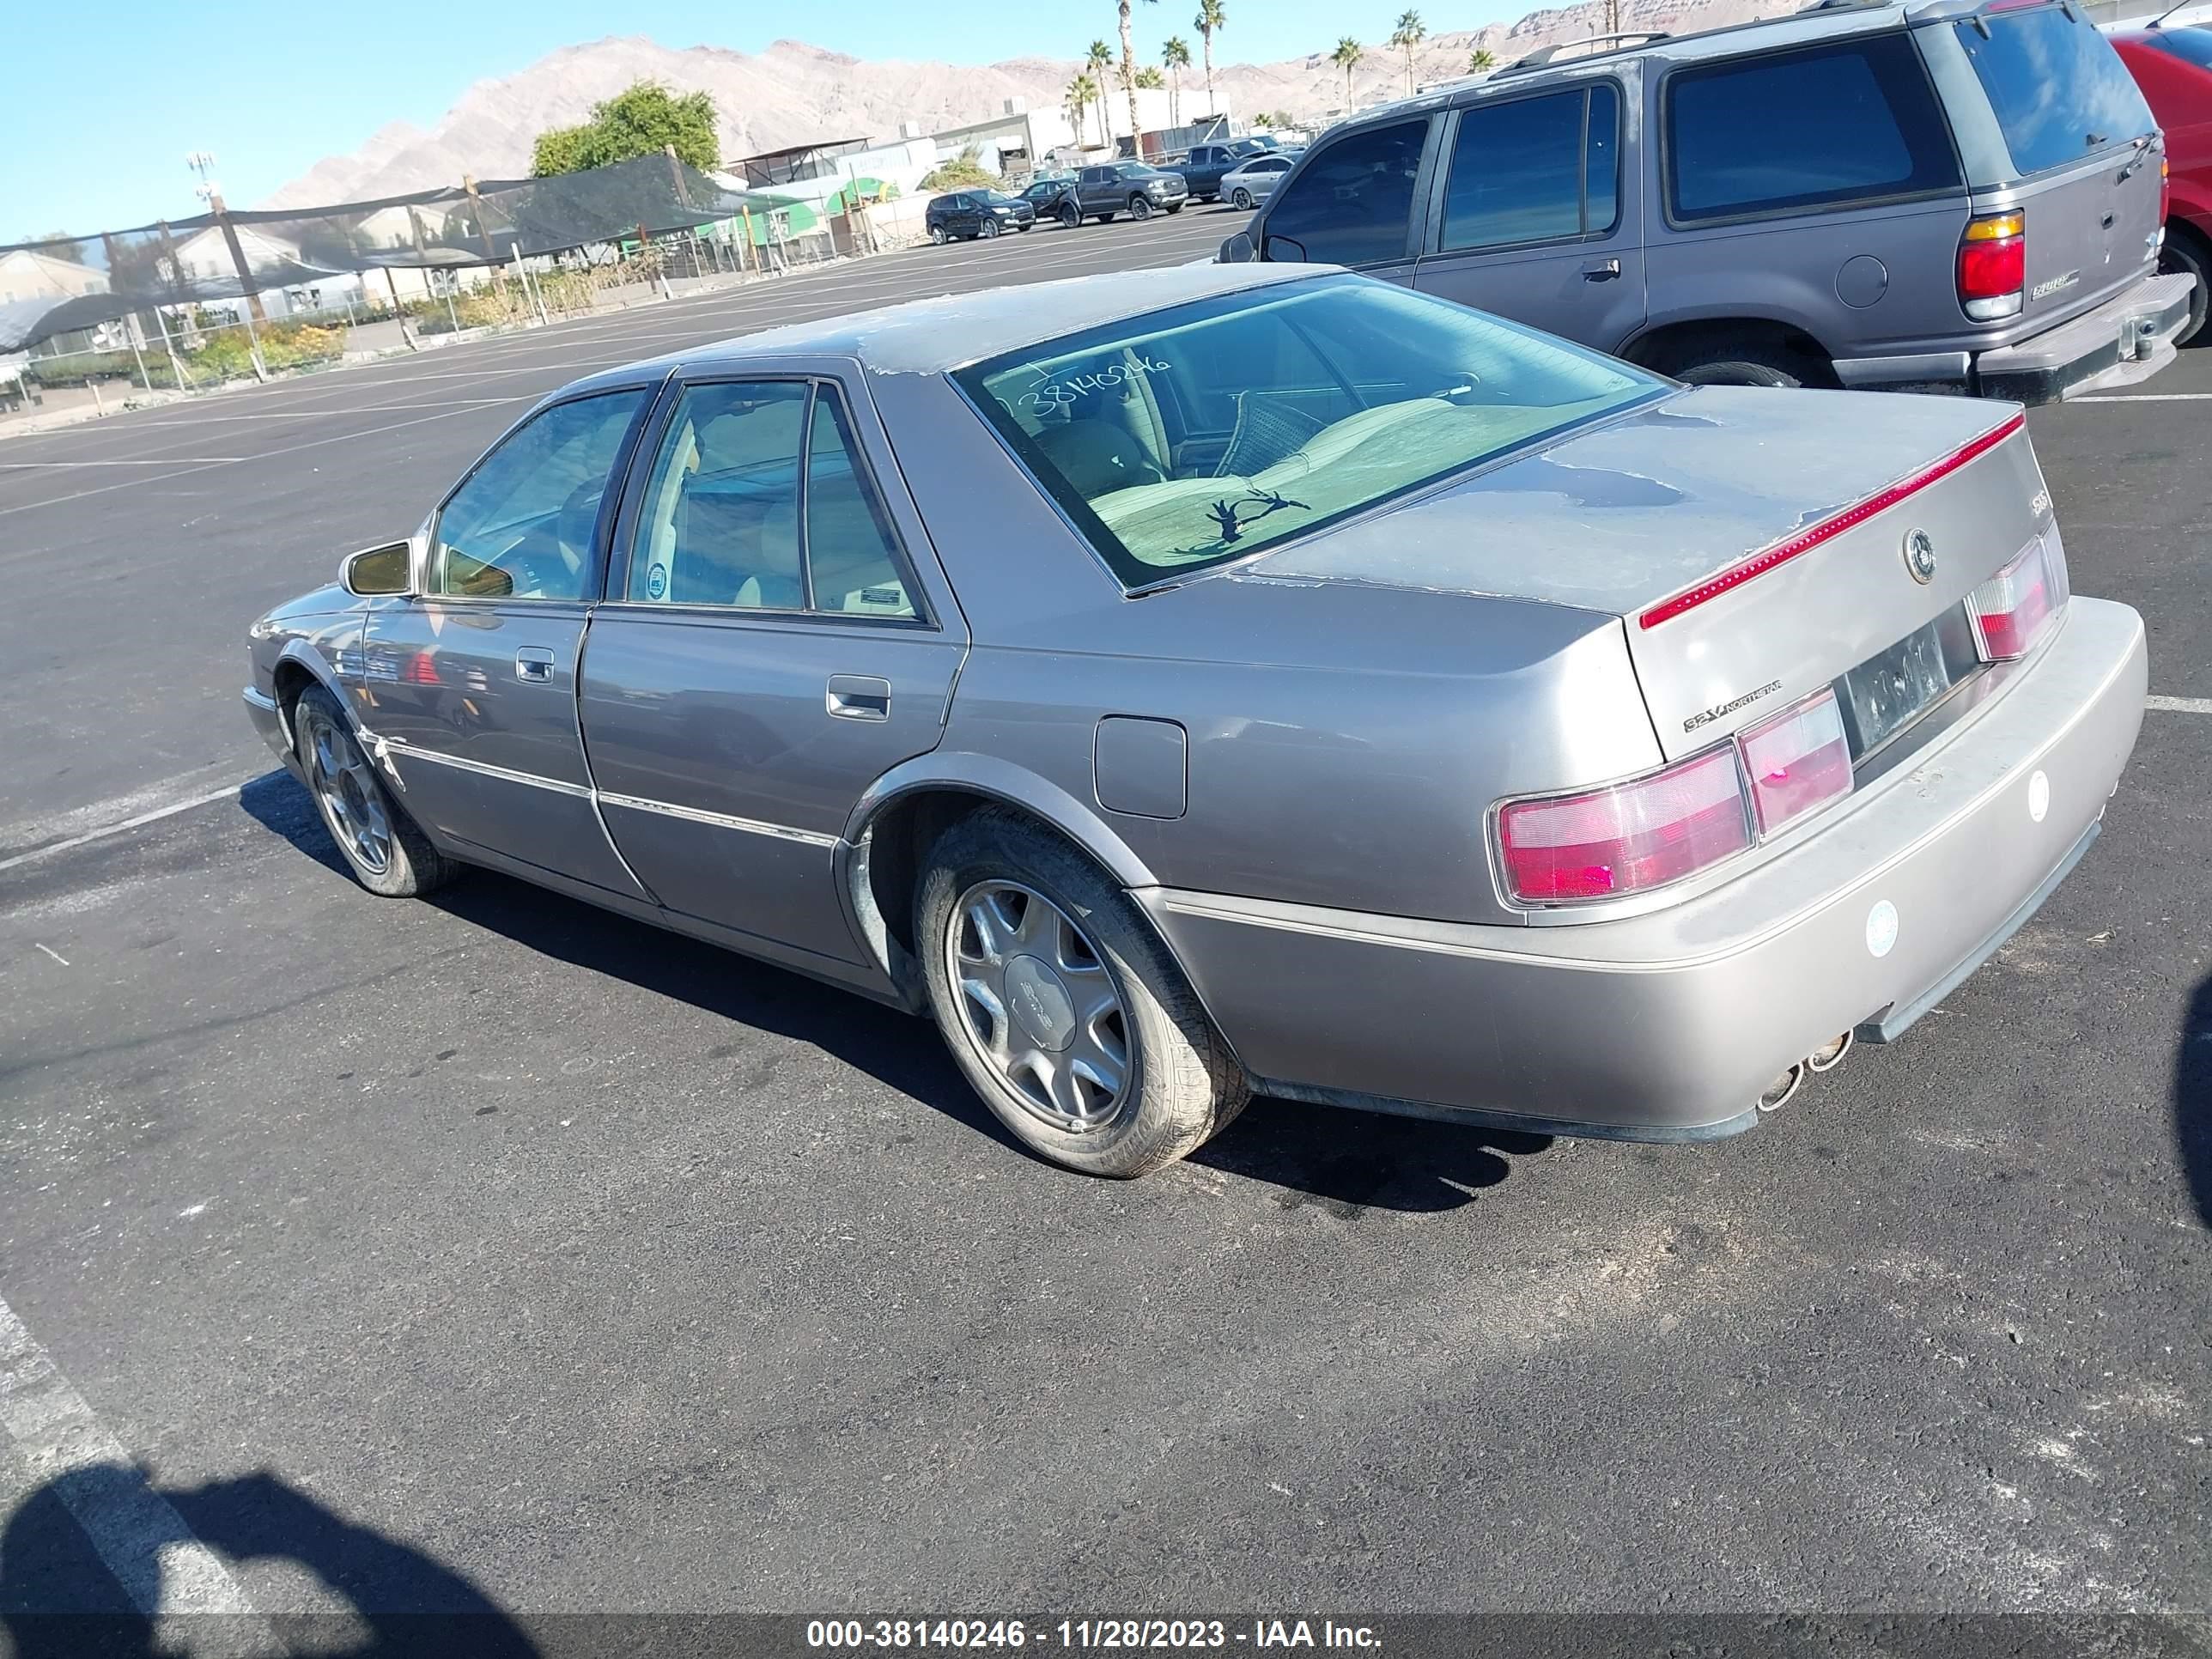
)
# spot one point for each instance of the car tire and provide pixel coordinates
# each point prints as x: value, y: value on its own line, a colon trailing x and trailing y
x: 1242, y: 201
x: 1139, y: 208
x: 937, y: 235
x: 2183, y: 255
x: 1178, y: 1083
x: 1750, y: 363
x: 987, y: 229
x: 387, y: 854
x: 1105, y: 218
x: 1070, y: 219
x: 1174, y: 208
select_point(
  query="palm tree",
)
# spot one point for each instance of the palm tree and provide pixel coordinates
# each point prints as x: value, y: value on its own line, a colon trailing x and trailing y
x: 1346, y: 58
x: 1211, y: 15
x: 1080, y: 91
x: 1480, y: 61
x: 1411, y: 31
x: 1129, y: 75
x: 1148, y: 79
x: 1098, y: 60
x: 1176, y: 54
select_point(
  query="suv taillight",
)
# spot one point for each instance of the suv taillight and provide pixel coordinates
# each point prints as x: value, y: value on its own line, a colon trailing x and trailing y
x: 2012, y: 608
x: 1993, y: 266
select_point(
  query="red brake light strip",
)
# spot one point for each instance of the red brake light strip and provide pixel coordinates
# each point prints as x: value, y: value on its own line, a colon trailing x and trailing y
x: 1806, y: 540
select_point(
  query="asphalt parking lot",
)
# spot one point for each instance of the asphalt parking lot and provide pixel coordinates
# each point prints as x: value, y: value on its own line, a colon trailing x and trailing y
x: 494, y: 1252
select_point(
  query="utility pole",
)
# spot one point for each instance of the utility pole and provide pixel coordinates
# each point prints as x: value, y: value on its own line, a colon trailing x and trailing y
x: 202, y: 162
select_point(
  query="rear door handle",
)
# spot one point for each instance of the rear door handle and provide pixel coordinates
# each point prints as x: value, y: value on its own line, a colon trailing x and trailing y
x: 1603, y: 272
x: 533, y: 663
x: 858, y: 697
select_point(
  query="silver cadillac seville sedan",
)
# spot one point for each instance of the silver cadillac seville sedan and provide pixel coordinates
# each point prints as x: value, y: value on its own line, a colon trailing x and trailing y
x: 1223, y: 679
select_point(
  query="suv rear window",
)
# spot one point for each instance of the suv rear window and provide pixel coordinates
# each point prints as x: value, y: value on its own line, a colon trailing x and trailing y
x: 2058, y: 88
x: 1830, y: 126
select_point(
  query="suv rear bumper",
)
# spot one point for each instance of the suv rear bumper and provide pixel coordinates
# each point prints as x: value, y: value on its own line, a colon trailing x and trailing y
x: 1667, y: 1026
x: 2126, y: 339
x: 2123, y: 341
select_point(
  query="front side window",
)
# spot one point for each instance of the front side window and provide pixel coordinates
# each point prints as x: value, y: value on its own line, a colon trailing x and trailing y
x: 522, y: 525
x: 1533, y: 169
x: 1353, y: 205
x: 2059, y: 90
x: 1201, y: 434
x: 1822, y: 127
x: 758, y: 500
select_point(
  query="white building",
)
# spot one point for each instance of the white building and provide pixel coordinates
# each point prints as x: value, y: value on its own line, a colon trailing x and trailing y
x: 26, y: 274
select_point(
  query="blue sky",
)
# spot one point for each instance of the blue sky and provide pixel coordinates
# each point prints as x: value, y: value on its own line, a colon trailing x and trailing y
x: 272, y: 88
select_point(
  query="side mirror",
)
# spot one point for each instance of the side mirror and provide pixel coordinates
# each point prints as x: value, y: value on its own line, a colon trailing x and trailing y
x: 1238, y: 250
x: 376, y: 572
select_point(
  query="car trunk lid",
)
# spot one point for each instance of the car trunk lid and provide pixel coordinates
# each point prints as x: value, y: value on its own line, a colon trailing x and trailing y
x: 1753, y: 542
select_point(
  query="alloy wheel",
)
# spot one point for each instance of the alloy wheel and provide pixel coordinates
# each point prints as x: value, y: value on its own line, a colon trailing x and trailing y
x: 1041, y: 1006
x: 352, y: 800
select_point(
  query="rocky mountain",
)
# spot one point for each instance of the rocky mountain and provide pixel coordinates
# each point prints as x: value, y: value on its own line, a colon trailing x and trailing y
x: 793, y: 93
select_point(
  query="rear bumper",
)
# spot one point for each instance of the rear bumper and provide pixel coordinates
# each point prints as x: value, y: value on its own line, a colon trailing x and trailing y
x: 2121, y: 341
x: 1667, y: 1026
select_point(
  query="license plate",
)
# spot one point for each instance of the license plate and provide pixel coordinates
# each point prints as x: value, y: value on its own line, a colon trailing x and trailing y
x: 1892, y: 689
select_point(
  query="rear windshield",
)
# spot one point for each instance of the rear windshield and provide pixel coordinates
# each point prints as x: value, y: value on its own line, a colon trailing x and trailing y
x: 2058, y: 88
x: 2190, y: 45
x: 1187, y: 437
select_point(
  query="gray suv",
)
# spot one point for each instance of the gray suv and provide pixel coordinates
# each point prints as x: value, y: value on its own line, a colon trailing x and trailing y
x: 1940, y: 196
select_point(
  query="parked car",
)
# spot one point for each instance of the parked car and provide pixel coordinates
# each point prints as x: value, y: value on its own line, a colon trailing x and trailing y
x: 1937, y: 195
x: 966, y: 212
x: 1054, y: 197
x: 2174, y: 66
x: 1252, y: 181
x: 1130, y: 187
x: 1207, y: 165
x: 1505, y: 732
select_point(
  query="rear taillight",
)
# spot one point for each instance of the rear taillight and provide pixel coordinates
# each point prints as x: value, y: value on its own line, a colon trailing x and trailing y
x: 1628, y: 838
x: 1796, y: 760
x: 1993, y: 266
x: 2012, y: 608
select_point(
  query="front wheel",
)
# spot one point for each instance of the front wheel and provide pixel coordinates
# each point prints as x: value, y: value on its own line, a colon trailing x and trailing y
x: 1062, y: 1007
x: 1242, y: 201
x: 382, y: 845
x: 1139, y: 207
x: 987, y: 229
x: 2184, y: 256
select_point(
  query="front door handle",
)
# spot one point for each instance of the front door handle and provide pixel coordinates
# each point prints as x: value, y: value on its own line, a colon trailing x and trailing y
x: 534, y: 663
x: 1603, y: 272
x: 858, y: 697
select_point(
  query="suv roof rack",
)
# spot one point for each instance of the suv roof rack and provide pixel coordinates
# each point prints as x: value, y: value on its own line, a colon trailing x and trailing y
x: 1545, y: 56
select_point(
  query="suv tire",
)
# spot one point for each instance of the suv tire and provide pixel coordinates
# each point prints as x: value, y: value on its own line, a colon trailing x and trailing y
x: 1747, y: 363
x: 2186, y: 255
x: 1180, y: 1085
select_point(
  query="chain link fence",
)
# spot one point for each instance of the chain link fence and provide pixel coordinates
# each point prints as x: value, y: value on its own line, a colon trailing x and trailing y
x: 192, y: 305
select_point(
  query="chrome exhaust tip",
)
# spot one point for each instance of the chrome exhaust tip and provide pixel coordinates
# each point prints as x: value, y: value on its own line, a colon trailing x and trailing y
x: 1829, y: 1055
x: 1779, y: 1091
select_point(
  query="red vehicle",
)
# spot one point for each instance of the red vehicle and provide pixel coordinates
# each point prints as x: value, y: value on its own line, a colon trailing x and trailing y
x: 2173, y: 65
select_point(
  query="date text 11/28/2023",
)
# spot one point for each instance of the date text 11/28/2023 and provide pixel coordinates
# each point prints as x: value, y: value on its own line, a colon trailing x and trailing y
x: 1087, y: 1633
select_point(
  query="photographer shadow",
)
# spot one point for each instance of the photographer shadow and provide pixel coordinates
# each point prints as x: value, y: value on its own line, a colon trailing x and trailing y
x: 63, y: 1595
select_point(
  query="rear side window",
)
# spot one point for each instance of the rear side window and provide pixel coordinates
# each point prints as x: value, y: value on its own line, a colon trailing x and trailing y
x: 1534, y: 170
x: 2058, y: 88
x: 1826, y: 127
x: 2190, y: 45
x: 1353, y: 205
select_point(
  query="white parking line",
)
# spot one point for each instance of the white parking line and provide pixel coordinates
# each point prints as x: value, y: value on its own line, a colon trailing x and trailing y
x: 138, y: 821
x: 166, y: 460
x: 2150, y: 397
x: 2180, y: 705
x: 140, y: 1538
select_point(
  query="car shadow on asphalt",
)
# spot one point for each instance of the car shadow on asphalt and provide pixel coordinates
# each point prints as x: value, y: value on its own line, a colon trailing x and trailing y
x: 2192, y: 1099
x: 1345, y: 1161
x: 60, y: 1595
